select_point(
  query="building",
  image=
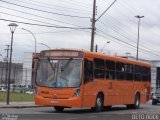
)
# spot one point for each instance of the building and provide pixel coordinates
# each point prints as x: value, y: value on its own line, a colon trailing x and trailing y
x: 155, y: 73
x: 28, y: 73
x: 16, y: 73
x: 27, y: 69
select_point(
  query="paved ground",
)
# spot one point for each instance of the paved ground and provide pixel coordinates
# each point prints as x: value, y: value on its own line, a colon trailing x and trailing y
x: 17, y: 104
x: 48, y: 113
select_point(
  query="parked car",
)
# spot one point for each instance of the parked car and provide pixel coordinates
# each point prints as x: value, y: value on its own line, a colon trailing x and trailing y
x: 29, y: 92
x: 3, y: 89
x: 156, y: 97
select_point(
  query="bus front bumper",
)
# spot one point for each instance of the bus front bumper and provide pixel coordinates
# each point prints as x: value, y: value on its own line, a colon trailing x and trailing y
x: 70, y: 102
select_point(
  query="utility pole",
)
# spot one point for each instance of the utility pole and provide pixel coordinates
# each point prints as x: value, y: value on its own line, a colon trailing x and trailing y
x: 94, y: 20
x: 7, y: 64
x: 139, y: 17
x: 96, y: 49
x: 93, y: 26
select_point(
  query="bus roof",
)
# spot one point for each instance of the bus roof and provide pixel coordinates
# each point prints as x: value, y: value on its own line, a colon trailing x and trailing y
x: 115, y: 58
x: 106, y: 56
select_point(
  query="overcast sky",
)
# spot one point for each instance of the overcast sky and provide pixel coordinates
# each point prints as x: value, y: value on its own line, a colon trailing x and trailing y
x: 118, y: 25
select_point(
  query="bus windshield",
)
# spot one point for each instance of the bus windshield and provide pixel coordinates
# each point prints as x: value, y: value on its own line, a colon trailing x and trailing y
x: 59, y: 73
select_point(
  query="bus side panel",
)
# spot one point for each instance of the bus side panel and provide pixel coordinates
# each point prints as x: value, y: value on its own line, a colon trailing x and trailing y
x: 89, y: 95
x: 109, y: 93
x: 144, y: 89
x: 128, y: 92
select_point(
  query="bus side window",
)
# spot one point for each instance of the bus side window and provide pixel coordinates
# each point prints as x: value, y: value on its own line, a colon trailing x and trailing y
x: 88, y: 71
x: 110, y: 72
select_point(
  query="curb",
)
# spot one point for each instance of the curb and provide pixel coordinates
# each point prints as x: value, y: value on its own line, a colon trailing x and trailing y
x: 23, y: 106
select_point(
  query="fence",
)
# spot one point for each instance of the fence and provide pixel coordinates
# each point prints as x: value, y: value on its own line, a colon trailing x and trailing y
x: 19, y: 75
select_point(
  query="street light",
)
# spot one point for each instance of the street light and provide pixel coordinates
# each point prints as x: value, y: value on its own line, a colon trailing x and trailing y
x: 105, y: 45
x: 33, y: 36
x: 45, y: 45
x: 12, y: 29
x: 139, y: 17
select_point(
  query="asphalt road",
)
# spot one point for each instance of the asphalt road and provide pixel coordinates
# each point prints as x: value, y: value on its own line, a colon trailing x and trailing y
x: 146, y: 112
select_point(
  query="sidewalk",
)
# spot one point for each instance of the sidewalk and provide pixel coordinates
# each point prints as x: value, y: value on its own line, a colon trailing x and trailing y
x: 19, y: 105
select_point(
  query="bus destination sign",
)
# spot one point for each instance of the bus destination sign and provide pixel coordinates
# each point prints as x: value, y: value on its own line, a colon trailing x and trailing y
x: 60, y: 53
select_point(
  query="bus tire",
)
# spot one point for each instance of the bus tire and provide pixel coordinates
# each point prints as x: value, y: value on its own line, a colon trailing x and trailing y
x: 99, y: 103
x: 58, y: 109
x: 136, y: 104
x: 137, y: 101
x: 154, y: 102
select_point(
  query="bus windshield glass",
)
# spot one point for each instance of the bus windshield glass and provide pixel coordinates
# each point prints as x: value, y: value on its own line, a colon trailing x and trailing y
x: 59, y: 73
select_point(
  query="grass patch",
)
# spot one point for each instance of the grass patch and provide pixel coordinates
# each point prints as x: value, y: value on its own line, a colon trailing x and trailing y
x: 16, y: 97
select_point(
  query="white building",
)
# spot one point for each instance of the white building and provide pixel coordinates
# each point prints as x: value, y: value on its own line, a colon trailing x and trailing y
x: 27, y: 68
x: 155, y: 73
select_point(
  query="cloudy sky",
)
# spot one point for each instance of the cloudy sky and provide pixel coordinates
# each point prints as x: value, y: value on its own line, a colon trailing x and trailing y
x: 118, y: 25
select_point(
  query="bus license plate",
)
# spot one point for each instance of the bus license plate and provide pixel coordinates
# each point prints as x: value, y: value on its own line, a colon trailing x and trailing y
x: 54, y: 101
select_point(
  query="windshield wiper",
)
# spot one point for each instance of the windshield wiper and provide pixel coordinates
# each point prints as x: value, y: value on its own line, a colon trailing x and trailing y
x: 50, y: 64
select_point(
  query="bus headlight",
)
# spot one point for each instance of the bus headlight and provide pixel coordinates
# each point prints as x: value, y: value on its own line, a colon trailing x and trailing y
x: 76, y: 93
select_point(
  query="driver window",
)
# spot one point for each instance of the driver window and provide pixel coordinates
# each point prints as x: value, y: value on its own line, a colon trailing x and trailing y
x: 88, y: 71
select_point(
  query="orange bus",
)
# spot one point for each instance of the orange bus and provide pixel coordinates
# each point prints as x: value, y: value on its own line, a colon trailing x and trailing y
x: 68, y: 78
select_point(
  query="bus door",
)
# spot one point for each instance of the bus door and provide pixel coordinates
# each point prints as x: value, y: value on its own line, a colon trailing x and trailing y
x: 88, y: 89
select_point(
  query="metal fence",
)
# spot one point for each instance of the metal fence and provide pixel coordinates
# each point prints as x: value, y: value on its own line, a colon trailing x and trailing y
x: 19, y: 75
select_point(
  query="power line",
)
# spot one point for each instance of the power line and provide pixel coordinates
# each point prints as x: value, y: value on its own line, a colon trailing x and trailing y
x: 133, y: 48
x: 40, y: 16
x: 126, y: 37
x: 116, y: 38
x: 41, y: 24
x: 27, y: 18
x: 127, y: 43
x: 78, y: 3
x: 116, y: 31
x: 144, y: 46
x: 42, y: 10
x: 132, y: 10
x: 49, y: 4
x: 53, y: 32
x: 61, y: 8
x: 105, y: 11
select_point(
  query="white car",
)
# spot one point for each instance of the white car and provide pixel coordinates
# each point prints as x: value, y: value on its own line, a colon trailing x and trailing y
x: 29, y: 92
x: 2, y: 89
x: 156, y: 97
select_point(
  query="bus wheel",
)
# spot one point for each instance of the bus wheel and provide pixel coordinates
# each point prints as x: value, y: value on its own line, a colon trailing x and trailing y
x: 136, y: 104
x: 137, y: 101
x: 99, y: 104
x: 154, y: 102
x: 58, y: 109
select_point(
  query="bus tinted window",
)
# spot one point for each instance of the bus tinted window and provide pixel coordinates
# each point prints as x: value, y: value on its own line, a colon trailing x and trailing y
x: 88, y: 71
x: 110, y: 69
x: 120, y: 71
x: 137, y: 73
x: 99, y: 68
x: 129, y: 71
x: 145, y: 73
